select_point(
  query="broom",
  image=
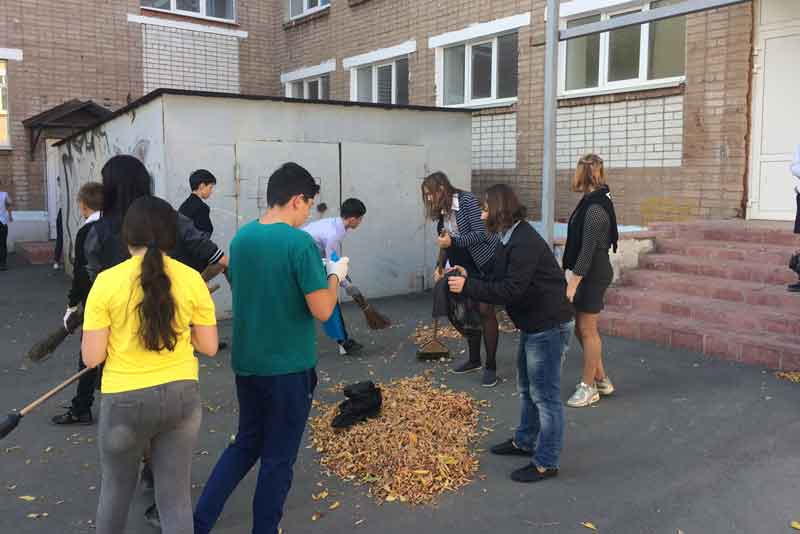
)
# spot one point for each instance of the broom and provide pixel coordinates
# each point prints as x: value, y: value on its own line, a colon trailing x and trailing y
x: 44, y: 348
x: 12, y: 420
x: 375, y: 320
x: 434, y: 349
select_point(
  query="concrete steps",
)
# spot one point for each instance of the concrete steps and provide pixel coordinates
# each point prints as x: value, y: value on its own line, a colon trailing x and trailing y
x: 35, y: 252
x: 715, y: 287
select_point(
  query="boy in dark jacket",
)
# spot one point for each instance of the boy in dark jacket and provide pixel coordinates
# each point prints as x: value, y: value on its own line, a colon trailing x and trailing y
x: 90, y: 204
x: 202, y: 183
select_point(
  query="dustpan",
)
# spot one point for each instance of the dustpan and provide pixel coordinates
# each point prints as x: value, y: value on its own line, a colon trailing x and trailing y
x: 433, y: 349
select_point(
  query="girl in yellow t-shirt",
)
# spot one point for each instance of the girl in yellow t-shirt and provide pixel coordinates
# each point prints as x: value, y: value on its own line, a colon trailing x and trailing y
x: 144, y: 319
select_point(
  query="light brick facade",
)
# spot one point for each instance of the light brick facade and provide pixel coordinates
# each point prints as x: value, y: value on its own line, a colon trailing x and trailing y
x: 675, y: 153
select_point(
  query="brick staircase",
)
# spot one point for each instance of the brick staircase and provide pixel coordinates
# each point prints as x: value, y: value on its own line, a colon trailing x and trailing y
x: 713, y: 287
x: 35, y: 252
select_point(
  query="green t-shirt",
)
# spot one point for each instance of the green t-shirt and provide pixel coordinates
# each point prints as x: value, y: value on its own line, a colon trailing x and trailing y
x: 272, y: 268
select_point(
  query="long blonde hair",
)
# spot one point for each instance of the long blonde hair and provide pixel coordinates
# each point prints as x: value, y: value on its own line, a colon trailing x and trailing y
x: 589, y: 174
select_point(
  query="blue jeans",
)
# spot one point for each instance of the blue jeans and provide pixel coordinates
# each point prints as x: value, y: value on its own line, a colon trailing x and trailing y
x: 273, y: 411
x: 541, y: 427
x: 334, y: 326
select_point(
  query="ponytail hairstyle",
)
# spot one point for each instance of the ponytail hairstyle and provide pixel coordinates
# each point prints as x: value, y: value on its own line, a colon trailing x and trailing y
x: 152, y: 222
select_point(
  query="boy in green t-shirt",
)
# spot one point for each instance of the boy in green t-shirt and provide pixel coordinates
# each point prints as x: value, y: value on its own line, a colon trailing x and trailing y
x: 279, y: 287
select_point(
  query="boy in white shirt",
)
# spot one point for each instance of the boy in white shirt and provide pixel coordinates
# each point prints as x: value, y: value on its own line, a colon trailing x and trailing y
x: 328, y: 234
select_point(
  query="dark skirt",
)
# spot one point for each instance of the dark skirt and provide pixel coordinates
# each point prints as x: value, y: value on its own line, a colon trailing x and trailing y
x: 592, y: 289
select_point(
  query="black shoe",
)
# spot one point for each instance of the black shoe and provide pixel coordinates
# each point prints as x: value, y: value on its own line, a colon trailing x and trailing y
x: 151, y: 516
x: 349, y: 347
x: 489, y: 379
x: 146, y: 480
x: 530, y: 473
x: 466, y: 367
x: 509, y: 448
x: 69, y: 418
x: 222, y: 345
x: 794, y: 288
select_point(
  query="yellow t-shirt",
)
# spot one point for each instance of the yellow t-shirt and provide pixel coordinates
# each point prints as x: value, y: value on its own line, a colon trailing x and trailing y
x: 112, y: 304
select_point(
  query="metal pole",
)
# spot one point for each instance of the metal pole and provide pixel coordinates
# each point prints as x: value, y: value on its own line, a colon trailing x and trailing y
x: 550, y: 107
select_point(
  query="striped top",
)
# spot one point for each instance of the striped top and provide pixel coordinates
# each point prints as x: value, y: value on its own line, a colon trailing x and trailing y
x: 472, y: 233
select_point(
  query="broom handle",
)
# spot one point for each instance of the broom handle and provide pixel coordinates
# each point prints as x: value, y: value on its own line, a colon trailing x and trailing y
x: 35, y: 404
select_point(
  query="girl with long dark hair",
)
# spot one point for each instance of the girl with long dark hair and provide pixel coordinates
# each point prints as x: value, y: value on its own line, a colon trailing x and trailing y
x: 463, y: 236
x: 592, y: 231
x: 144, y: 319
x: 526, y: 279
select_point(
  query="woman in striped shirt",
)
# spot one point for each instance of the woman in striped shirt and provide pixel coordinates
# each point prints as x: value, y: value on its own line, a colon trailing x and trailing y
x: 462, y: 233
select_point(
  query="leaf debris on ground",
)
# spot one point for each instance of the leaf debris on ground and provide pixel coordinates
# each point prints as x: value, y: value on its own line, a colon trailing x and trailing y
x: 791, y: 376
x: 421, y: 446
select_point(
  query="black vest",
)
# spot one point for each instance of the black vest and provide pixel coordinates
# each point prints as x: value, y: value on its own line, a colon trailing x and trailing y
x: 572, y: 248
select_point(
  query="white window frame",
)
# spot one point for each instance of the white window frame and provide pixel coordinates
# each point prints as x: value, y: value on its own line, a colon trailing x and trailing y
x: 201, y: 15
x: 307, y: 10
x: 469, y: 102
x: 603, y: 85
x: 375, y: 67
x: 6, y: 114
x: 306, y: 82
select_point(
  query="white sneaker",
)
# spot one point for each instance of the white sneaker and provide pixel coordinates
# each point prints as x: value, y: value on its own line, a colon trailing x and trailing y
x: 56, y: 266
x: 585, y: 395
x: 604, y: 386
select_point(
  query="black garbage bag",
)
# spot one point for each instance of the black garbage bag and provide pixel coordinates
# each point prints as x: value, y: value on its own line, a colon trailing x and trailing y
x: 364, y: 401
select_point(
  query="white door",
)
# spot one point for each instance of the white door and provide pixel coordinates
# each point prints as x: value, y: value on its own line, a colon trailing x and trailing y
x: 776, y: 113
x: 51, y: 179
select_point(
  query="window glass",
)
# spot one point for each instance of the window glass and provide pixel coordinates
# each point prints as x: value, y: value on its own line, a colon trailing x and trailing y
x: 507, y: 65
x: 454, y: 75
x: 401, y: 73
x: 624, y: 47
x: 583, y: 57
x: 667, y: 51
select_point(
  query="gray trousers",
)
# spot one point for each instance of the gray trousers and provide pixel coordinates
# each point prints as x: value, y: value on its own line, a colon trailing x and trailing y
x: 167, y: 419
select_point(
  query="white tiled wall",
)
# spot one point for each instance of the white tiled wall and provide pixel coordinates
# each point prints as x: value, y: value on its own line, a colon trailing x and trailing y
x: 494, y: 141
x: 183, y: 59
x: 642, y: 133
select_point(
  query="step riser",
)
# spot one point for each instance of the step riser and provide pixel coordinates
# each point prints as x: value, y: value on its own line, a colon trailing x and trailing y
x: 731, y: 293
x: 767, y: 274
x: 716, y: 345
x: 722, y: 254
x: 699, y: 232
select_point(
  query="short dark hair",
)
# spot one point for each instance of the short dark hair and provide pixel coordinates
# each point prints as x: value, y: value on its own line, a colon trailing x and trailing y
x: 201, y: 177
x: 91, y: 195
x: 288, y: 181
x: 503, y: 207
x: 352, y: 207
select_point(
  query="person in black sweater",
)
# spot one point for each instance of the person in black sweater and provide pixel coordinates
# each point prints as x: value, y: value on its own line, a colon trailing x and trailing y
x: 90, y: 204
x: 526, y: 279
x: 592, y: 231
x: 202, y: 183
x: 463, y: 237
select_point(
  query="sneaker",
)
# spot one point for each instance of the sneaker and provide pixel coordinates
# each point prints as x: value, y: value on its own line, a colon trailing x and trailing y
x: 604, y: 387
x: 56, y: 266
x: 530, y: 473
x: 151, y: 516
x: 70, y: 418
x: 349, y: 347
x: 794, y: 288
x: 584, y: 395
x: 509, y: 448
x: 466, y: 367
x: 489, y: 378
x: 222, y: 345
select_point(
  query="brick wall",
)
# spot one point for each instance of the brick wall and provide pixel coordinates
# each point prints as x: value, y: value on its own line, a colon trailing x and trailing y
x: 697, y: 162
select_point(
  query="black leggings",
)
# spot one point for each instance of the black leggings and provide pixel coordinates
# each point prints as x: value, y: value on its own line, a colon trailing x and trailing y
x: 490, y: 333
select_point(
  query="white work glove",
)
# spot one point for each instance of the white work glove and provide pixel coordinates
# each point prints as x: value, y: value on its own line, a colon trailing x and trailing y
x: 68, y: 314
x: 338, y: 268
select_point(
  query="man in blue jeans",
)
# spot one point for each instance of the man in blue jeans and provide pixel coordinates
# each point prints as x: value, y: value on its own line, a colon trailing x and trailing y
x: 279, y: 288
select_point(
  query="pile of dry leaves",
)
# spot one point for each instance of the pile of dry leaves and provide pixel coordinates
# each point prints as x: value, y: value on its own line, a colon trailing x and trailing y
x: 419, y: 447
x: 791, y: 376
x: 424, y: 332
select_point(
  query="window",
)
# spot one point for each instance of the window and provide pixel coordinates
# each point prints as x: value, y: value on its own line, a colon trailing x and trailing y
x: 214, y: 9
x: 480, y: 72
x: 300, y: 8
x: 4, y: 137
x: 627, y: 58
x: 382, y: 83
x: 317, y: 88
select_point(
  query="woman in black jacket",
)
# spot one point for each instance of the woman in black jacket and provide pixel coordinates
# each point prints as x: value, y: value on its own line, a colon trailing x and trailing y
x: 526, y: 279
x: 592, y: 231
x: 462, y: 234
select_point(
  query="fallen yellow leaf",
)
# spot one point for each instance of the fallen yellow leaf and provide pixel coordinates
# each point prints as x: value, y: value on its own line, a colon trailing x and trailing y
x: 334, y: 506
x: 27, y: 498
x: 391, y: 498
x: 795, y: 525
x: 589, y: 525
x: 316, y: 516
